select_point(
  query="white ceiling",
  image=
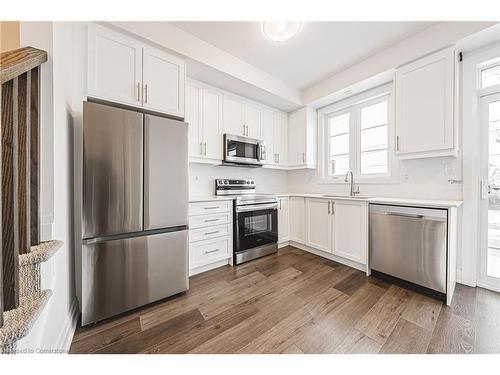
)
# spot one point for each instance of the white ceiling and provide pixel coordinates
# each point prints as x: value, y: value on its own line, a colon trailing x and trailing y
x: 319, y: 51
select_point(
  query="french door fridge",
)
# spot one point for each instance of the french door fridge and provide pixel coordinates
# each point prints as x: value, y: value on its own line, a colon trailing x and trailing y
x: 135, y: 210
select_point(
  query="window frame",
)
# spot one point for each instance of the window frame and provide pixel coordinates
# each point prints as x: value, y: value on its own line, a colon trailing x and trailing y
x: 353, y: 105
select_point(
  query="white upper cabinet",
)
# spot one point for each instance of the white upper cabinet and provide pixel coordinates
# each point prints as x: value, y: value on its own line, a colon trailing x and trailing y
x: 193, y: 118
x: 163, y: 82
x: 212, y: 123
x: 242, y: 117
x: 114, y: 66
x: 233, y: 115
x: 124, y: 70
x: 425, y: 104
x: 253, y: 120
x: 275, y: 134
x: 204, y: 116
x: 302, y: 139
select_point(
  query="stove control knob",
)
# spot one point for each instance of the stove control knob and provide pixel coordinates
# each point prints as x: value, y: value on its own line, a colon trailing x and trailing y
x: 252, y: 182
x: 226, y: 182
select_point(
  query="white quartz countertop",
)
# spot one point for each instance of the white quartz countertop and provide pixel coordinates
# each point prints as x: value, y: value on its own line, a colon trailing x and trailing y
x: 437, y: 203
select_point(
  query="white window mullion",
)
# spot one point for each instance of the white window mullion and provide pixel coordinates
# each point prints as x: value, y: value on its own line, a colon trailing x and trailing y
x: 355, y: 139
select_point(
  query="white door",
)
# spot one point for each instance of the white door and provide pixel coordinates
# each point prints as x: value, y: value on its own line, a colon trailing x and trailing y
x: 164, y: 77
x: 350, y: 224
x: 296, y: 219
x: 297, y: 138
x: 424, y: 104
x: 211, y: 120
x: 318, y: 217
x: 253, y: 120
x: 268, y: 136
x: 193, y: 109
x: 232, y: 117
x: 281, y: 138
x: 114, y: 67
x: 489, y: 262
x: 283, y: 225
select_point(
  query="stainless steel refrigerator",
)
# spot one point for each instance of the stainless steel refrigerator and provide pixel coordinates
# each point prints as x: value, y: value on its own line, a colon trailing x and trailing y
x: 135, y: 210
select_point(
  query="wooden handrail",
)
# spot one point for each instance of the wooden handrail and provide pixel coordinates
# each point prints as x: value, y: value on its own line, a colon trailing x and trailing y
x: 19, y: 61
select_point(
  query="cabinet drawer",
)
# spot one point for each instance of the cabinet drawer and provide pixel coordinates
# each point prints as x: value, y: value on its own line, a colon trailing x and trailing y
x: 206, y: 208
x: 206, y: 252
x: 209, y: 232
x: 209, y: 220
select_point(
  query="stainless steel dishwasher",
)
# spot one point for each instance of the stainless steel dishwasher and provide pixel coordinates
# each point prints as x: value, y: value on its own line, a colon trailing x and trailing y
x: 410, y: 244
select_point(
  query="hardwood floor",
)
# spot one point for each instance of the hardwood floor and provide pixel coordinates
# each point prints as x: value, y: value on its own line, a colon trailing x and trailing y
x: 297, y: 302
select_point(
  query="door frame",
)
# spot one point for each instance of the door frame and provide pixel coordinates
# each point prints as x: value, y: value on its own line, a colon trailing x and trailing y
x: 483, y: 280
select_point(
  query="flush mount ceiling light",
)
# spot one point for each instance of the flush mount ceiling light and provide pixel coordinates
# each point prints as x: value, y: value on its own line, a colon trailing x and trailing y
x: 281, y: 31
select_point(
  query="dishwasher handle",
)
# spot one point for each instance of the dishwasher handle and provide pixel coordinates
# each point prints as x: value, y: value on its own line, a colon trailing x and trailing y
x: 414, y: 216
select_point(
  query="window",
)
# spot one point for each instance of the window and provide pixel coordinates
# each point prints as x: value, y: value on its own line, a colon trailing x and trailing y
x: 490, y: 76
x: 356, y: 136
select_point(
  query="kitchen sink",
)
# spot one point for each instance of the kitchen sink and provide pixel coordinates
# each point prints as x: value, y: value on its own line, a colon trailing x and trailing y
x: 345, y: 196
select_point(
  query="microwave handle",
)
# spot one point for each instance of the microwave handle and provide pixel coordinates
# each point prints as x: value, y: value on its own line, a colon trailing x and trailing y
x: 261, y: 152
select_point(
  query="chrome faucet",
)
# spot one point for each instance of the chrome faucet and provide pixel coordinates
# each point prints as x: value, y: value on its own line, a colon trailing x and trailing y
x: 352, y: 192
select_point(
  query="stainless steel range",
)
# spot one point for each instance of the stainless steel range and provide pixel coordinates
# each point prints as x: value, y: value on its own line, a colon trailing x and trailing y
x: 255, y: 224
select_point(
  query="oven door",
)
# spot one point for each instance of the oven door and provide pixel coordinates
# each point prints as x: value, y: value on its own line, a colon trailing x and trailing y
x: 243, y: 150
x: 255, y: 226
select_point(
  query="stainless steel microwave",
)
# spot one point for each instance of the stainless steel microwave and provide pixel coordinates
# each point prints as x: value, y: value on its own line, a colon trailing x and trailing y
x: 244, y: 150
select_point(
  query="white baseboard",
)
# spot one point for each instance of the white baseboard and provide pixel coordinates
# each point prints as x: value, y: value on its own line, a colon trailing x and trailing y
x: 335, y: 258
x: 208, y: 267
x: 66, y: 336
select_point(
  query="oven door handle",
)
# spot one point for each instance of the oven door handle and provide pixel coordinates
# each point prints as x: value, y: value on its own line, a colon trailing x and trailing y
x: 257, y: 207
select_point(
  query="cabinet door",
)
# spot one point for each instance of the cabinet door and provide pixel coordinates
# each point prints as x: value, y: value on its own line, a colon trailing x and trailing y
x: 211, y: 120
x: 297, y: 138
x: 424, y: 104
x: 350, y: 224
x: 268, y: 136
x: 297, y: 219
x: 164, y: 77
x: 253, y: 120
x: 232, y: 115
x: 281, y: 138
x: 114, y: 67
x: 193, y: 109
x: 283, y: 220
x: 318, y: 228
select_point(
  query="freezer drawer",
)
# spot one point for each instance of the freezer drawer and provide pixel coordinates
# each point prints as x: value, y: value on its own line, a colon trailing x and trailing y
x: 409, y: 243
x: 112, y: 170
x: 120, y: 275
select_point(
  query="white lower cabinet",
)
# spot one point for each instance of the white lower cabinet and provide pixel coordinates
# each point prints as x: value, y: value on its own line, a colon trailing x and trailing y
x: 210, y: 235
x: 283, y: 220
x: 297, y: 209
x: 338, y: 227
x: 350, y: 230
x: 318, y: 223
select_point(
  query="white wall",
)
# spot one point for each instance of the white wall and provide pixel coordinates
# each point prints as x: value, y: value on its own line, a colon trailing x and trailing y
x: 202, y: 178
x: 423, y: 178
x: 55, y: 327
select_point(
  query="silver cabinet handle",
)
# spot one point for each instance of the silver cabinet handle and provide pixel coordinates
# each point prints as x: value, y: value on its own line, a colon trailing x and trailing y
x: 210, y: 220
x: 414, y: 216
x: 303, y: 157
x: 244, y: 129
x: 333, y: 208
x: 205, y: 152
x: 278, y: 158
x: 213, y: 232
x: 146, y: 93
x: 397, y: 143
x: 138, y: 91
x: 201, y: 148
x: 247, y: 130
x: 329, y: 204
x: 211, y: 208
x: 211, y: 251
x: 280, y: 203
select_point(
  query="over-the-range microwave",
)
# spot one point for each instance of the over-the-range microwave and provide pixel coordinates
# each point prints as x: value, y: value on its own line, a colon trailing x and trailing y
x: 244, y: 150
